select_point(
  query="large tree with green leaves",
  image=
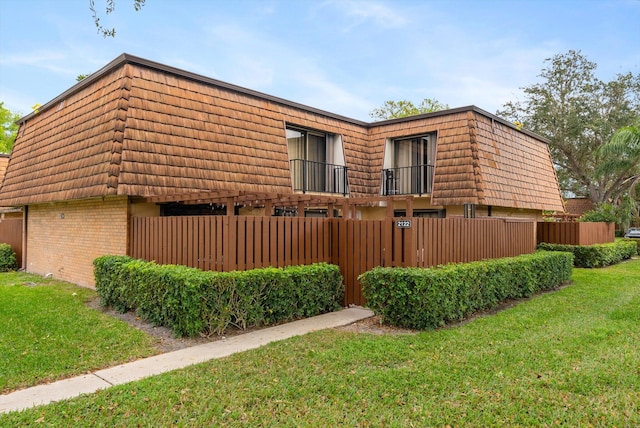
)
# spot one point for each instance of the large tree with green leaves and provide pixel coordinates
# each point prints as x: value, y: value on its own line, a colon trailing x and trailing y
x: 579, y: 113
x: 404, y: 108
x: 8, y: 120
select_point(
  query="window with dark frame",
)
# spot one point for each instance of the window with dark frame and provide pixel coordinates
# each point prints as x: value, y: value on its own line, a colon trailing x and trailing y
x: 413, y: 160
x: 310, y: 156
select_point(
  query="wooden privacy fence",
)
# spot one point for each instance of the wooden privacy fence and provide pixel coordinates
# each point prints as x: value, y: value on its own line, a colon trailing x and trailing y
x: 11, y: 233
x: 365, y: 244
x: 226, y: 243
x: 575, y: 233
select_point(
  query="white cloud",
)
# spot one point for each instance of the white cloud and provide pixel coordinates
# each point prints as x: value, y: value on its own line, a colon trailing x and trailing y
x: 362, y: 12
x: 327, y: 95
x: 257, y: 61
x: 49, y: 60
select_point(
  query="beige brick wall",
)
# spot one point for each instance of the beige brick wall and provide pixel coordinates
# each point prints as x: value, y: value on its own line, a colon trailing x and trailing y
x: 64, y: 238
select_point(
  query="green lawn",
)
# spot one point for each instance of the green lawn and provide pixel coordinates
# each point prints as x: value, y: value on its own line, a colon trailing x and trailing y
x: 47, y: 333
x: 569, y: 358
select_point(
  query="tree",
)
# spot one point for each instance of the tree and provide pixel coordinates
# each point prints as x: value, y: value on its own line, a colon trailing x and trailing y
x: 579, y: 113
x: 404, y: 108
x: 622, y: 158
x: 109, y: 8
x: 8, y: 120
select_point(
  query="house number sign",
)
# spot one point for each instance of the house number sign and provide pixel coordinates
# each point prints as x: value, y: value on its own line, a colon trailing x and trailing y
x: 403, y: 224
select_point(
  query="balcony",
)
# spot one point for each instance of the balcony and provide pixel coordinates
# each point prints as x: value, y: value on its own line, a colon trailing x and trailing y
x: 320, y: 177
x: 409, y: 180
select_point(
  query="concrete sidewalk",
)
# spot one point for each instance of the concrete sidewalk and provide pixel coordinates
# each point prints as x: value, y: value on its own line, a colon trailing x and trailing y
x: 136, y: 370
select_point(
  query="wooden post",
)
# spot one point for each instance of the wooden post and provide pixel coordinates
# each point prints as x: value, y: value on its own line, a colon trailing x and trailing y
x: 389, y: 208
x: 268, y: 207
x: 230, y: 205
x: 330, y: 210
x: 300, y: 209
x: 409, y: 208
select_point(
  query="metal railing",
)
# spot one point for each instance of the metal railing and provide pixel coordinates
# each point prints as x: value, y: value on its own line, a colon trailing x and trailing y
x: 312, y: 176
x: 409, y: 180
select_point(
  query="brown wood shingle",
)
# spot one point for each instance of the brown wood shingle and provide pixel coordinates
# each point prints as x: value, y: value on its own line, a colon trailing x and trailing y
x: 139, y: 128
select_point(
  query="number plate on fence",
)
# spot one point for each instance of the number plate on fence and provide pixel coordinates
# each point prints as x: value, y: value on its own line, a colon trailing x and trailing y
x: 403, y: 224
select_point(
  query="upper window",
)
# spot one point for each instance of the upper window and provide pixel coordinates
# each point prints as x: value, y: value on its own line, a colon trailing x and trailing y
x: 307, y: 145
x: 408, y: 165
x: 317, y: 161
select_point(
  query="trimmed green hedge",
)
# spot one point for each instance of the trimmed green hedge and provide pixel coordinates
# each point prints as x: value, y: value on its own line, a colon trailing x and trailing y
x: 191, y: 301
x: 635, y: 241
x: 598, y: 255
x: 428, y: 298
x: 7, y: 258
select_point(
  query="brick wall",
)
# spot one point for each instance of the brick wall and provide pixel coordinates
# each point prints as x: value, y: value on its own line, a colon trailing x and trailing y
x: 64, y: 238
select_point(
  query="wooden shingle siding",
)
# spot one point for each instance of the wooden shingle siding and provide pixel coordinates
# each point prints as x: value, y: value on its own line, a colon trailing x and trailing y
x: 184, y: 136
x: 137, y: 128
x: 79, y: 131
x: 512, y: 166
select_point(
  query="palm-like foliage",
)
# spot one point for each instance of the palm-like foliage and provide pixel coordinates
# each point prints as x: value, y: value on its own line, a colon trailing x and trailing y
x: 622, y: 158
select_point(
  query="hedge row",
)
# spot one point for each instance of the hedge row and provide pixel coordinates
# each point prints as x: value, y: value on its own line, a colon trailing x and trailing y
x: 635, y: 241
x: 7, y: 258
x: 598, y: 255
x: 428, y: 298
x: 191, y: 301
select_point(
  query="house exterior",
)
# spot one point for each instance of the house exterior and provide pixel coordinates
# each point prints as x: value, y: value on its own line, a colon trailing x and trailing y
x: 578, y: 206
x: 138, y: 138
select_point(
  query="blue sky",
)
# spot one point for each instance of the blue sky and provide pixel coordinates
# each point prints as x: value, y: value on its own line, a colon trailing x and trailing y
x: 343, y: 56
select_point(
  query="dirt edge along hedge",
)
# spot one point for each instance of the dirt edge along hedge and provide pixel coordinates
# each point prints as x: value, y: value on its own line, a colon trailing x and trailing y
x: 8, y: 260
x: 598, y: 255
x: 421, y: 298
x: 191, y: 301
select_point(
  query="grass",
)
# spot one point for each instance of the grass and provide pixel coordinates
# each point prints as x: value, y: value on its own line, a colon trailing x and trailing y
x: 49, y: 333
x: 568, y: 358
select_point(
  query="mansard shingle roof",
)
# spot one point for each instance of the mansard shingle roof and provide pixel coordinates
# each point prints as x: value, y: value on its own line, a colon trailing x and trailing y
x: 140, y: 128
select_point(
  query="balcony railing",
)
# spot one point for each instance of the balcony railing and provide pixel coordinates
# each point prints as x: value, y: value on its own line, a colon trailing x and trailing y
x: 311, y: 176
x: 410, y: 180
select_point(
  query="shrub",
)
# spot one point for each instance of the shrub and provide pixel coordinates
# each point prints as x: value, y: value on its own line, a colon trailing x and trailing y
x: 428, y: 298
x: 635, y: 241
x: 190, y: 301
x: 7, y: 258
x: 598, y: 255
x: 603, y: 212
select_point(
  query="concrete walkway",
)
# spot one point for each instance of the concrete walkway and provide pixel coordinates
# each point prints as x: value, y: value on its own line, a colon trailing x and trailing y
x: 136, y: 370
